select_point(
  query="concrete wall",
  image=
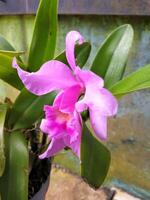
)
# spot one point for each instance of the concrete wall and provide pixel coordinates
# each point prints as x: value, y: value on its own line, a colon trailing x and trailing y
x: 129, y: 138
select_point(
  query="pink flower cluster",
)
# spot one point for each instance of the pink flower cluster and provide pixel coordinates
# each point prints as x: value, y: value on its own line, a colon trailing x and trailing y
x: 79, y: 90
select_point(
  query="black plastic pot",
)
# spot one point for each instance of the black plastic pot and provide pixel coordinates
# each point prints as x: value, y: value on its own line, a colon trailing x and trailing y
x: 42, y: 192
x: 39, y: 179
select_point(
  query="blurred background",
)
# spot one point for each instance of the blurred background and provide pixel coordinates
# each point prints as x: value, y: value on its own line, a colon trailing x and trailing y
x: 129, y: 132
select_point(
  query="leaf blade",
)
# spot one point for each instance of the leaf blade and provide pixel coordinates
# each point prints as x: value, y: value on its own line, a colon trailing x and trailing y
x: 43, y: 42
x: 5, y: 45
x: 138, y: 80
x: 92, y: 151
x: 3, y: 110
x: 30, y: 114
x: 11, y: 53
x: 16, y: 173
x: 7, y: 73
x: 110, y: 60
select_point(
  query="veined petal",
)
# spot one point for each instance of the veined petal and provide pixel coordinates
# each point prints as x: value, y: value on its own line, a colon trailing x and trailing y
x: 53, y: 75
x: 71, y: 39
x: 54, y: 147
x: 74, y: 128
x: 98, y: 123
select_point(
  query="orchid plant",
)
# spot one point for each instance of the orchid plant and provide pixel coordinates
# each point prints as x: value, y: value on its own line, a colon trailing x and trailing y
x: 61, y: 104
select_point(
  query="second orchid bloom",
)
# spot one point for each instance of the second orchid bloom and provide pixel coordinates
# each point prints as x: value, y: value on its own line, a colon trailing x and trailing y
x: 78, y: 90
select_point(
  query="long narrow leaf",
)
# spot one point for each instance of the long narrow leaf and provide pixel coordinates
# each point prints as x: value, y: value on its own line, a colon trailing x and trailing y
x: 111, y: 58
x: 82, y: 53
x: 44, y: 36
x: 14, y: 182
x: 7, y: 73
x: 2, y: 92
x: 11, y: 53
x: 28, y: 108
x: 5, y: 45
x: 95, y: 159
x: 3, y: 110
x: 27, y: 112
x: 138, y: 80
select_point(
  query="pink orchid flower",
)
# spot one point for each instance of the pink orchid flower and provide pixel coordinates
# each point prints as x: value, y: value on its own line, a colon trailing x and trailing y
x: 63, y: 129
x: 75, y: 83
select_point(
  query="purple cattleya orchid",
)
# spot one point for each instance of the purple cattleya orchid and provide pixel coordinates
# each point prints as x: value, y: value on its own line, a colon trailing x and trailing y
x: 80, y: 90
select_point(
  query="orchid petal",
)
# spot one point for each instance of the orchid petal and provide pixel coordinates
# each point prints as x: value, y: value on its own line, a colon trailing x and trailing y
x: 89, y: 78
x: 98, y: 123
x: 70, y: 97
x: 101, y: 99
x: 53, y: 75
x: 44, y: 126
x: 100, y: 102
x: 54, y: 147
x: 75, y: 146
x: 74, y: 128
x: 71, y: 39
x: 58, y: 99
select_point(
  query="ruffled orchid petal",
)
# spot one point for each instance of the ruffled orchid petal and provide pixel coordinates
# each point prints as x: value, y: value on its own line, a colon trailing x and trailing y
x: 75, y: 131
x: 53, y: 75
x: 71, y: 39
x: 54, y: 147
x: 75, y: 146
x: 44, y: 126
x: 62, y: 127
x: 98, y: 123
x: 74, y: 126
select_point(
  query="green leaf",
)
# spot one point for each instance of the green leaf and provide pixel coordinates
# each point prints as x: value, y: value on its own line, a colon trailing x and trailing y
x: 5, y: 45
x: 7, y: 73
x: 3, y: 110
x: 44, y: 36
x: 95, y: 159
x: 138, y: 80
x: 82, y: 53
x: 2, y: 91
x: 111, y: 58
x: 28, y: 108
x: 14, y: 182
x: 68, y: 160
x: 12, y: 53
